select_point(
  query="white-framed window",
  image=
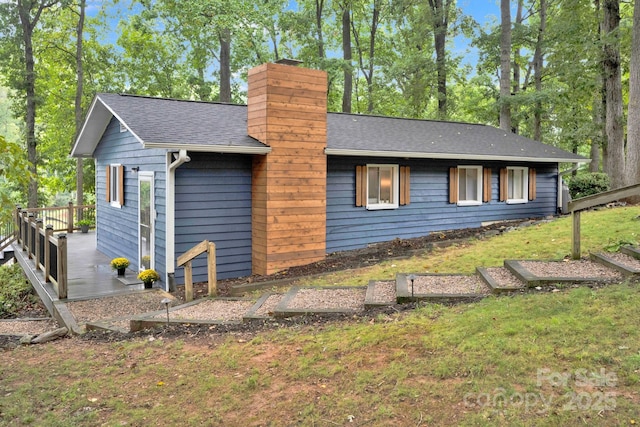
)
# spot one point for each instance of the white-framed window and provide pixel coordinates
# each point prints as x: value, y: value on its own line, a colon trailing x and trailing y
x: 382, y: 187
x: 469, y: 185
x: 517, y: 185
x: 115, y: 185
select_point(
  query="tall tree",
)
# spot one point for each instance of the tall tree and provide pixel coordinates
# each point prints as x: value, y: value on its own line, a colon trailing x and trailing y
x: 633, y: 113
x: 78, y: 100
x: 440, y: 12
x: 347, y: 56
x: 614, y: 126
x: 505, y: 65
x: 538, y: 62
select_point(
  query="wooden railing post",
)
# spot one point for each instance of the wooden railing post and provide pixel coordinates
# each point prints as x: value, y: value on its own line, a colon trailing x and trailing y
x: 23, y: 230
x: 62, y: 266
x: 70, y: 218
x: 211, y: 269
x: 575, y: 235
x: 30, y: 221
x: 37, y: 243
x: 48, y: 232
x: 188, y: 282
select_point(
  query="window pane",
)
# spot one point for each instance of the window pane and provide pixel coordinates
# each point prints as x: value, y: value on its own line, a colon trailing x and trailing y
x: 516, y: 184
x: 468, y: 184
x: 115, y: 193
x: 386, y: 185
x: 374, y: 185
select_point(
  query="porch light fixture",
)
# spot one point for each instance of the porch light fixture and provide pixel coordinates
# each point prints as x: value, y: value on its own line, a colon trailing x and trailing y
x: 411, y: 277
x: 135, y: 169
x: 166, y: 302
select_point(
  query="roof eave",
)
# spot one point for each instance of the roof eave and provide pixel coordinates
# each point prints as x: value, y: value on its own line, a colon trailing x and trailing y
x: 449, y: 156
x: 93, y: 128
x: 229, y: 149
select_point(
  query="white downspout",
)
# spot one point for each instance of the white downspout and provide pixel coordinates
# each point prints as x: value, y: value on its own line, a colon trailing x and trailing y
x: 171, y: 215
x: 560, y: 175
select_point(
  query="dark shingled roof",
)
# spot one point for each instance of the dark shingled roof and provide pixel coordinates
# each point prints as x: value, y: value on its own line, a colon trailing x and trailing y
x: 210, y: 126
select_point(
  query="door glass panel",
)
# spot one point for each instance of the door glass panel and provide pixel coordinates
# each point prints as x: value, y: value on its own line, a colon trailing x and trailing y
x: 146, y: 232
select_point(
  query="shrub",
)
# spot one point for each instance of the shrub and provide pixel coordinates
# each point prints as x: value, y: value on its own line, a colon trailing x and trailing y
x: 587, y: 184
x: 16, y: 293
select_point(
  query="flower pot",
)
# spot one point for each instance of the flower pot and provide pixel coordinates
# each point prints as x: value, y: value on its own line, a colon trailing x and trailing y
x: 148, y: 285
x: 84, y: 228
x: 121, y: 271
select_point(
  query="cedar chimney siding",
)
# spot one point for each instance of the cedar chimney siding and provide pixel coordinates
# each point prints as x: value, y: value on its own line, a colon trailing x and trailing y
x: 287, y: 110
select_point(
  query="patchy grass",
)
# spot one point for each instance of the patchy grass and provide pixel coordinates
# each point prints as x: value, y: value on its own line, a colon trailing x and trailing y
x: 563, y: 358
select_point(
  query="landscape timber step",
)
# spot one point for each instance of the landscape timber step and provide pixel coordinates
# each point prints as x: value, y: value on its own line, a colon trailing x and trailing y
x: 405, y: 293
x: 370, y: 300
x: 631, y: 251
x: 286, y: 309
x: 252, y: 313
x: 603, y: 259
x: 532, y: 281
x: 496, y: 288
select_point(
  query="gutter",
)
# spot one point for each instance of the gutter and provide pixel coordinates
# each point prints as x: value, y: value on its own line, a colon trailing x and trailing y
x: 171, y: 216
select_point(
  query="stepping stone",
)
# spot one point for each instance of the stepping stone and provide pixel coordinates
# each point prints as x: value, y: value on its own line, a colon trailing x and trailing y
x: 500, y: 279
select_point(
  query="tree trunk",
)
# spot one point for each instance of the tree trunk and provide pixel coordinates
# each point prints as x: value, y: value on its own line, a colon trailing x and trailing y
x: 538, y: 62
x: 78, y: 105
x: 375, y: 20
x: 613, y: 83
x: 515, y: 84
x: 319, y: 35
x: 440, y: 14
x: 347, y: 56
x: 505, y: 65
x: 633, y: 113
x: 225, y: 65
x: 30, y: 113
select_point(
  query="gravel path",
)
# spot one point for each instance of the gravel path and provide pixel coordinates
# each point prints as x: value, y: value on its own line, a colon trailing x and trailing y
x: 269, y: 305
x: 27, y: 326
x: 624, y: 259
x: 504, y: 278
x: 445, y: 284
x: 328, y: 299
x: 580, y: 268
x: 215, y: 310
x: 117, y: 306
x: 384, y: 292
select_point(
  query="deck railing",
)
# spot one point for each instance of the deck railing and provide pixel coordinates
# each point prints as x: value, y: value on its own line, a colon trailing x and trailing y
x: 49, y: 252
x: 7, y: 234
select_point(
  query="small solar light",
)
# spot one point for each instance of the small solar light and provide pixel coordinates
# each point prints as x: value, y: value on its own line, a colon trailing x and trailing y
x: 411, y: 277
x: 166, y: 302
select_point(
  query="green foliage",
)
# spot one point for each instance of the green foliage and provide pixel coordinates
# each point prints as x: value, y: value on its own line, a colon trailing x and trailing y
x: 587, y: 184
x: 15, y: 291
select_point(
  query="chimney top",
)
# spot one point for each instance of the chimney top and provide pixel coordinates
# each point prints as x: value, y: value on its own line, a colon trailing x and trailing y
x: 286, y: 61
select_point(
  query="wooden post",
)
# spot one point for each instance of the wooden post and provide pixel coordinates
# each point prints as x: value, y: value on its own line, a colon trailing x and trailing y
x: 188, y: 282
x: 211, y: 269
x: 23, y: 230
x: 30, y: 243
x: 62, y: 266
x: 37, y: 242
x: 575, y: 235
x: 70, y: 218
x: 48, y: 232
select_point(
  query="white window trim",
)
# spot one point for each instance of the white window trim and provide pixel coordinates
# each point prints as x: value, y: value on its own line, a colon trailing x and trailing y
x: 478, y: 201
x: 525, y: 185
x: 114, y: 196
x: 396, y: 188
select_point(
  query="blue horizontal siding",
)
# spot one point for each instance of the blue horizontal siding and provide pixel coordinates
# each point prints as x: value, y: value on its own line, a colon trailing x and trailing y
x: 117, y: 228
x: 213, y: 202
x: 350, y: 227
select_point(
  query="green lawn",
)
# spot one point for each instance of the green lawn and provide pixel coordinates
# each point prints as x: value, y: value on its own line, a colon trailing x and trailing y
x: 544, y: 358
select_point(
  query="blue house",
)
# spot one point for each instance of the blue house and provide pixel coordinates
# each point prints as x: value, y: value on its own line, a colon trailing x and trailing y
x: 280, y: 182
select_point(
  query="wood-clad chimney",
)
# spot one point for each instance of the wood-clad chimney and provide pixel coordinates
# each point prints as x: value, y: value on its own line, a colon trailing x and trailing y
x: 287, y: 110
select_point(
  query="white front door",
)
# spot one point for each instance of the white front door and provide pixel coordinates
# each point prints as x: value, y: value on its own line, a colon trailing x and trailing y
x: 146, y: 219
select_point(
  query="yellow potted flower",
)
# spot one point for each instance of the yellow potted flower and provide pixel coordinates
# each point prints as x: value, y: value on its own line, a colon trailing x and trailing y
x: 120, y: 264
x: 148, y: 276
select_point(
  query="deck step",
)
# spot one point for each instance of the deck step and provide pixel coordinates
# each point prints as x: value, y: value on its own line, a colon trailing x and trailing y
x: 533, y: 273
x: 6, y: 256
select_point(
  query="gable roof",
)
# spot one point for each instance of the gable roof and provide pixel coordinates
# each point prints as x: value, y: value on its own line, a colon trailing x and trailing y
x: 217, y: 127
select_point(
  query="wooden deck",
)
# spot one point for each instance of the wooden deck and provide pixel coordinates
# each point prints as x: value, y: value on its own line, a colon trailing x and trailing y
x: 89, y: 273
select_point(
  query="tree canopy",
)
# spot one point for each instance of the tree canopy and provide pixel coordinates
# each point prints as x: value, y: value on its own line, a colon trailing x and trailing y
x: 547, y: 69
